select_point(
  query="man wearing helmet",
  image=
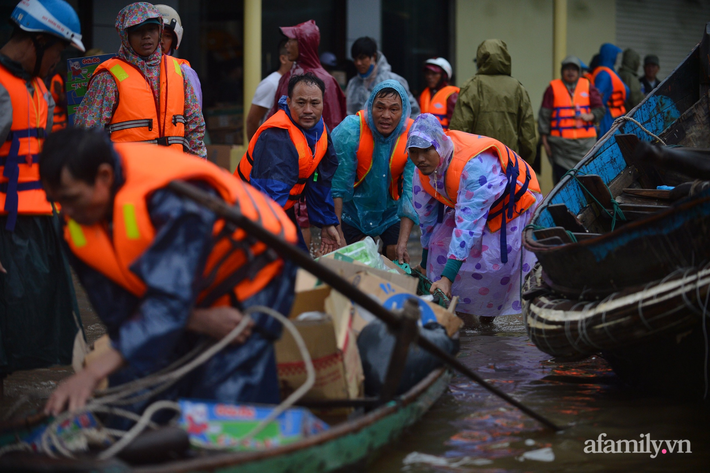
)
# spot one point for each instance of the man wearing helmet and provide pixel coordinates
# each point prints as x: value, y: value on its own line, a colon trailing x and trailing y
x: 142, y: 95
x: 439, y: 98
x: 170, y: 42
x: 37, y: 295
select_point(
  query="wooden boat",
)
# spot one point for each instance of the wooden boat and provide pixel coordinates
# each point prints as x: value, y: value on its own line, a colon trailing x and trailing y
x: 654, y: 336
x: 606, y: 226
x: 349, y: 444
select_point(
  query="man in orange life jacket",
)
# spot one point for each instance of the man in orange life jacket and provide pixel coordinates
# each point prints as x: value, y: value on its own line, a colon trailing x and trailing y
x: 147, y: 256
x: 474, y: 197
x: 569, y: 109
x: 612, y: 88
x: 142, y: 94
x: 372, y: 187
x: 291, y: 156
x: 36, y: 320
x: 439, y: 98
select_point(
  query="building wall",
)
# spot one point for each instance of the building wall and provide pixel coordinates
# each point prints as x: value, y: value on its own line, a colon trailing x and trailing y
x: 527, y: 28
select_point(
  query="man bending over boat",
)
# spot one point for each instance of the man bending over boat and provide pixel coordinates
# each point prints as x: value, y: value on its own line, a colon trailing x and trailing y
x: 474, y: 197
x: 163, y: 272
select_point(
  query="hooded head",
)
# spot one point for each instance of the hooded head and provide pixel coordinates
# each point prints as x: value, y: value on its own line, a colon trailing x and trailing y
x: 607, y: 55
x: 631, y: 60
x: 493, y: 58
x: 426, y: 132
x: 406, y: 109
x: 133, y: 16
x: 308, y: 37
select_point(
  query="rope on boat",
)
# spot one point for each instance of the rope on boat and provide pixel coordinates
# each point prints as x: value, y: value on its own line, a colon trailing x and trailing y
x: 625, y: 118
x: 127, y: 394
x: 616, y: 208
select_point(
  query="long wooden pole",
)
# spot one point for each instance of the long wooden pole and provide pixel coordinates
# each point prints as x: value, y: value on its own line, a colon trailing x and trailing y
x: 304, y: 260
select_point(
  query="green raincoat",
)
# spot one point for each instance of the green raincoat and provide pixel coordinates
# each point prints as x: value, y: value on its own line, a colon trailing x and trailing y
x: 627, y: 73
x: 492, y: 103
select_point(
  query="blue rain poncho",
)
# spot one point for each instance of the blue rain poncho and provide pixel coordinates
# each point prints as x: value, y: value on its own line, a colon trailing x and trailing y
x: 370, y: 208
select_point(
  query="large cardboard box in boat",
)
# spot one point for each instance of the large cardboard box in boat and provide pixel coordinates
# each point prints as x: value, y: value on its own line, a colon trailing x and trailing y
x: 331, y: 344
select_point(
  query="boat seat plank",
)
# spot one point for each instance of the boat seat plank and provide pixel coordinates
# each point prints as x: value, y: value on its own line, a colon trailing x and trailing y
x: 595, y: 186
x: 562, y: 217
x: 551, y: 232
x: 642, y: 208
x: 649, y: 193
x: 552, y: 241
x: 586, y: 236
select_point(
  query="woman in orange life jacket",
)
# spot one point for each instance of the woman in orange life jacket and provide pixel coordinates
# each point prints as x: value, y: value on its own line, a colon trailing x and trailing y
x: 173, y: 119
x: 170, y: 42
x: 471, y: 227
x: 438, y: 98
x: 164, y: 259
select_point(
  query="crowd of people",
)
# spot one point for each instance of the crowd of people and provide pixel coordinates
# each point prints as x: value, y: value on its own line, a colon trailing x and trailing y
x: 372, y: 160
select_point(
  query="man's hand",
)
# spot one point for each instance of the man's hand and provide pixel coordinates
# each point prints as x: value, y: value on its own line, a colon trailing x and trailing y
x: 587, y: 117
x: 72, y: 393
x: 2, y: 268
x: 444, y: 285
x: 401, y: 252
x: 329, y: 239
x: 546, y: 145
x: 218, y: 322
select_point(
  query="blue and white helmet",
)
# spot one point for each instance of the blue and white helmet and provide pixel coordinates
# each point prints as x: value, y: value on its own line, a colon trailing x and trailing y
x: 55, y: 17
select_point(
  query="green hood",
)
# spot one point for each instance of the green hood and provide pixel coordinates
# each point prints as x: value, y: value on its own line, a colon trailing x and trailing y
x: 493, y: 58
x: 631, y: 60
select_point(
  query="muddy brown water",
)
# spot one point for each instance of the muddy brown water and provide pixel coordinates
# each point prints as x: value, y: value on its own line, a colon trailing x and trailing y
x: 469, y: 429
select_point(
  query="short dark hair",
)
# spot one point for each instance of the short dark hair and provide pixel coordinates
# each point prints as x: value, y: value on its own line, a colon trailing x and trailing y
x: 387, y: 92
x: 282, y: 47
x: 364, y: 45
x: 308, y: 78
x: 80, y: 150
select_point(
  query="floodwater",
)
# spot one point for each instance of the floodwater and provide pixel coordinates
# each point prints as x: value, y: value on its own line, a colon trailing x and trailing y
x: 471, y: 430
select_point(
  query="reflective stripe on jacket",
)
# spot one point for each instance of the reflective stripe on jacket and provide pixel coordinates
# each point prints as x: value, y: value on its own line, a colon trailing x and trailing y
x: 615, y: 104
x: 563, y: 122
x: 238, y: 266
x: 20, y: 188
x: 138, y: 116
x: 307, y: 161
x: 438, y: 105
x: 522, y: 181
x: 398, y: 159
x: 60, y: 113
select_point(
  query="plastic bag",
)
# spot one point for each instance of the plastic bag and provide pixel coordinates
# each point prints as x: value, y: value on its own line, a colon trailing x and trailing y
x: 364, y: 251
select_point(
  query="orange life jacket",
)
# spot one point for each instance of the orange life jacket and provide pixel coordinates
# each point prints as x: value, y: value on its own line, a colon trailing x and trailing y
x: 563, y: 122
x: 307, y: 161
x: 438, y: 105
x: 398, y: 160
x: 138, y: 116
x: 243, y: 265
x: 615, y: 104
x: 60, y: 113
x: 522, y: 181
x: 20, y: 188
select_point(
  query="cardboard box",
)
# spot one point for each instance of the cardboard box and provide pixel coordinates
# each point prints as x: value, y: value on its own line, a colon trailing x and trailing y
x: 224, y: 117
x: 393, y: 297
x: 332, y: 346
x: 221, y: 155
x: 227, y: 137
x: 346, y: 270
x: 210, y: 424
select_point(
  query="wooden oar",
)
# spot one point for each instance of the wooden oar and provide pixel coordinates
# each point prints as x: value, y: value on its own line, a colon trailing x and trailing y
x: 334, y: 280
